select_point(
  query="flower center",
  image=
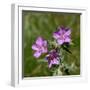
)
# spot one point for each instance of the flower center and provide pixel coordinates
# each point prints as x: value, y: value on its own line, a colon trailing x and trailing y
x: 62, y: 37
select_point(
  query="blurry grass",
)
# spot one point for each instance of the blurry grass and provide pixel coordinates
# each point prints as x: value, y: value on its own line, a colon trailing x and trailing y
x: 44, y: 24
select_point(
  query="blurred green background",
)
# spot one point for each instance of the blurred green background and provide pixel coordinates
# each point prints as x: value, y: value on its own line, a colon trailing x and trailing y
x: 43, y: 24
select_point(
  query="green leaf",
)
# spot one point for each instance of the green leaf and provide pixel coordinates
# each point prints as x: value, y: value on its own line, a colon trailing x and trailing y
x: 66, y: 49
x: 71, y: 43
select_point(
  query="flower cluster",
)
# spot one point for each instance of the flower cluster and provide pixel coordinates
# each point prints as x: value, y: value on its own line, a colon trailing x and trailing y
x: 61, y: 37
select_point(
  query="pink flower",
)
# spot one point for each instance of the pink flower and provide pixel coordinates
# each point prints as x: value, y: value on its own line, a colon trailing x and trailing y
x: 39, y: 47
x: 62, y: 35
x: 53, y: 58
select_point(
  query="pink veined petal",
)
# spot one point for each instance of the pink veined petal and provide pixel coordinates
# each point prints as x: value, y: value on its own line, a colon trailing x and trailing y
x: 44, y: 50
x: 67, y: 33
x: 39, y: 41
x: 44, y: 47
x: 55, y: 61
x: 34, y: 47
x: 37, y: 54
x: 60, y: 41
x: 45, y: 43
x: 61, y: 31
x: 50, y: 64
x: 56, y: 35
x: 67, y: 39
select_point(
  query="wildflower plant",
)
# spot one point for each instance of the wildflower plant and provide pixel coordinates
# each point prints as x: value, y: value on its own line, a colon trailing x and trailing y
x: 54, y: 49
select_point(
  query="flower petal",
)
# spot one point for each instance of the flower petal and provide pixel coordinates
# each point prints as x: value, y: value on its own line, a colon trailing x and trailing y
x: 50, y: 64
x: 61, y: 31
x: 44, y: 47
x: 56, y: 35
x: 37, y: 54
x: 60, y: 41
x: 67, y: 39
x: 45, y: 43
x: 44, y: 50
x: 68, y: 32
x: 39, y: 41
x: 55, y: 61
x: 34, y: 47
